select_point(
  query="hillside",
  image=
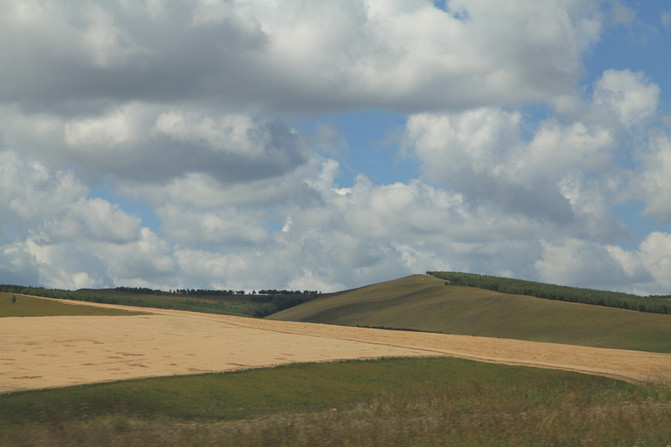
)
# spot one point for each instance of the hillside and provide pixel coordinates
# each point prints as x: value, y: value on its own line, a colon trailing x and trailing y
x: 421, y: 302
x: 654, y: 304
x: 12, y: 305
x: 227, y: 302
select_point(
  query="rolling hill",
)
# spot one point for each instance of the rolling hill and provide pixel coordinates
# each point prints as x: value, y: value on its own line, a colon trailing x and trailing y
x: 392, y: 401
x: 426, y: 303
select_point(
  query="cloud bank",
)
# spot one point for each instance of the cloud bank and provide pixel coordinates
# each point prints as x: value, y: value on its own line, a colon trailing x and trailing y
x: 190, y: 109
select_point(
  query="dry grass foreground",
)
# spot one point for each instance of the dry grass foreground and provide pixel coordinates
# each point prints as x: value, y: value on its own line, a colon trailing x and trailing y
x: 46, y: 352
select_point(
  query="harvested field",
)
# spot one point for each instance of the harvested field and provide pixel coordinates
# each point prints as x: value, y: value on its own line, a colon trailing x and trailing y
x: 46, y: 352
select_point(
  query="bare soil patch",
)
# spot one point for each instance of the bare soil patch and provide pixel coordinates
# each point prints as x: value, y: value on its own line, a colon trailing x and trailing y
x: 46, y: 352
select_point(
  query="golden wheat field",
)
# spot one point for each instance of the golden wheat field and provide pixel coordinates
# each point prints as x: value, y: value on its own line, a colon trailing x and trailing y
x: 55, y: 351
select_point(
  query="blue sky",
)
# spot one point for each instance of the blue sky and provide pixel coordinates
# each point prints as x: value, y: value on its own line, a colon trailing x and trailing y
x: 328, y: 145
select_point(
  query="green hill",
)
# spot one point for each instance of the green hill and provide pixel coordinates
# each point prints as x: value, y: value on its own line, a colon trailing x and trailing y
x: 426, y: 303
x: 226, y: 302
x: 654, y: 304
x: 12, y: 305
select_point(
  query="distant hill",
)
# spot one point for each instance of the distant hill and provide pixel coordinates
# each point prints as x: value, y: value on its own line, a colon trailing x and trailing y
x: 426, y: 303
x: 654, y: 304
x: 227, y: 302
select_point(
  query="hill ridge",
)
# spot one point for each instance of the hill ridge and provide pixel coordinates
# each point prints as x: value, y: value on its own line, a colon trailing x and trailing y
x: 425, y: 303
x: 536, y: 289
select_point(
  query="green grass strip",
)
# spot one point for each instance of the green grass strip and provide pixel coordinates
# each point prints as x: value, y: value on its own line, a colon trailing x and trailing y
x: 388, y: 402
x: 301, y: 387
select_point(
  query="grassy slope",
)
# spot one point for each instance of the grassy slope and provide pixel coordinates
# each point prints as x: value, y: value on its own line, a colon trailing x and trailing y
x: 27, y: 306
x: 390, y: 402
x: 424, y: 303
x: 225, y: 304
x: 216, y: 303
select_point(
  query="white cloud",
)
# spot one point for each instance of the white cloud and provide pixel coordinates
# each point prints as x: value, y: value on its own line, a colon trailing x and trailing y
x: 628, y: 95
x: 236, y: 133
x: 369, y: 234
x: 145, y: 261
x: 651, y: 182
x: 56, y: 203
x: 105, y: 132
x: 556, y: 148
x: 218, y: 269
x: 218, y: 229
x: 482, y: 155
x: 64, y: 266
x: 17, y: 266
x: 656, y: 256
x: 372, y: 233
x: 576, y: 262
x: 185, y: 105
x: 293, y: 55
x: 643, y: 270
x: 50, y: 226
x: 472, y: 142
x: 105, y: 221
x: 141, y: 143
x: 31, y: 192
x: 202, y: 191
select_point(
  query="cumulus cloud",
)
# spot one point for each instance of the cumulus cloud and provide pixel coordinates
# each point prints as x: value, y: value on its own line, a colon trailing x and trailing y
x: 357, y: 235
x: 294, y: 55
x: 214, y: 229
x: 55, y: 204
x: 579, y: 262
x: 49, y: 221
x: 117, y: 129
x: 656, y: 256
x: 651, y: 184
x: 141, y: 143
x: 31, y: 192
x: 40, y: 263
x: 142, y: 262
x: 643, y: 270
x: 626, y: 94
x: 482, y: 155
x: 362, y: 233
x: 198, y: 109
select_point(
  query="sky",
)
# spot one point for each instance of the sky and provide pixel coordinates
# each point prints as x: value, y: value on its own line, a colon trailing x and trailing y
x: 294, y: 144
